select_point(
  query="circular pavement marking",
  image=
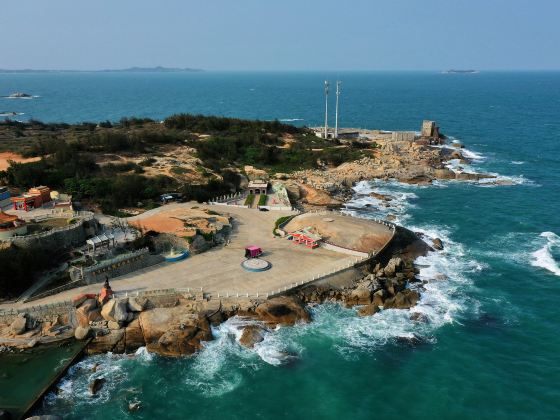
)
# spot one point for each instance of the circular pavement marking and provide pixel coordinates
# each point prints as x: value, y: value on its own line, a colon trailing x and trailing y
x: 255, y: 264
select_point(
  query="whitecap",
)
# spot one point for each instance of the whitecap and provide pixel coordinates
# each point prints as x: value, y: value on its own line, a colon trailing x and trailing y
x: 517, y: 162
x: 543, y: 257
x: 290, y: 119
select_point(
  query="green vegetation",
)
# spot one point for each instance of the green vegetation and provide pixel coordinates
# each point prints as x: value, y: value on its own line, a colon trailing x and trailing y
x: 69, y: 155
x: 279, y: 221
x: 250, y: 200
x: 262, y: 199
x: 177, y: 170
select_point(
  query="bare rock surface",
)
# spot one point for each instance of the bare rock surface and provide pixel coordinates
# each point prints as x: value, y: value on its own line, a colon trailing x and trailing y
x: 284, y: 310
x: 252, y: 334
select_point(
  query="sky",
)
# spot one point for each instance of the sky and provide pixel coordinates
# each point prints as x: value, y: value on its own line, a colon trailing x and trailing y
x: 281, y: 35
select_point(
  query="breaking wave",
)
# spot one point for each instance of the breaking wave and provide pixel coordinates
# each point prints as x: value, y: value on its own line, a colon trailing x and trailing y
x: 291, y: 119
x: 543, y: 257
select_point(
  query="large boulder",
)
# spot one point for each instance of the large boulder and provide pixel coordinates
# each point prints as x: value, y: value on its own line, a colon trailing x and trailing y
x: 437, y: 244
x: 88, y: 311
x: 133, y: 337
x: 78, y: 300
x: 378, y: 297
x: 115, y: 310
x: 252, y: 334
x: 394, y: 285
x: 394, y: 265
x: 96, y: 385
x: 107, y: 341
x: 444, y: 173
x: 81, y: 333
x: 137, y: 304
x: 284, y: 310
x: 174, y: 331
x: 402, y: 300
x: 359, y: 296
x: 368, y: 310
x: 18, y: 325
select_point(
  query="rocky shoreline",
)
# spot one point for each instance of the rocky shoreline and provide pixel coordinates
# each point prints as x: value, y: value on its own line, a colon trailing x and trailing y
x: 179, y: 324
x: 406, y: 162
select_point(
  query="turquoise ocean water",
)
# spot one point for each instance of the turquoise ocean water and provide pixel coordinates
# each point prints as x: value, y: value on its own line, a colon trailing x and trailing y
x: 491, y: 348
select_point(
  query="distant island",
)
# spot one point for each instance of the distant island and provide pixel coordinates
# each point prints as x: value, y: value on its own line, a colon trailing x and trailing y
x: 158, y: 69
x: 454, y: 71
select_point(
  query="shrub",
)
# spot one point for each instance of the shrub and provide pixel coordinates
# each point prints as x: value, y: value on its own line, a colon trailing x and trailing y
x: 250, y: 200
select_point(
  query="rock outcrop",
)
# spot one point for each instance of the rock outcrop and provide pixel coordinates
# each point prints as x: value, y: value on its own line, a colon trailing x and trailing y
x: 252, y: 334
x: 284, y: 310
x: 81, y: 333
x: 115, y: 310
x: 402, y: 300
x: 174, y: 331
x: 18, y: 325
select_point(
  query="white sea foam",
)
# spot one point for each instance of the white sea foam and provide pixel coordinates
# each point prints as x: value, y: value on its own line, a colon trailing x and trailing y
x: 444, y: 294
x: 470, y: 154
x: 543, y: 257
x: 290, y: 119
x: 11, y: 114
x: 364, y: 205
x: 517, y: 162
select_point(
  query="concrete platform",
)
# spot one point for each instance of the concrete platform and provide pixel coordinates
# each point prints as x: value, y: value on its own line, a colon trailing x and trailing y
x: 219, y: 270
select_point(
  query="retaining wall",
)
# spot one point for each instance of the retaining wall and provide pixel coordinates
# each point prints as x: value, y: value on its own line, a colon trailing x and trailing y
x: 63, y: 237
x: 118, y: 266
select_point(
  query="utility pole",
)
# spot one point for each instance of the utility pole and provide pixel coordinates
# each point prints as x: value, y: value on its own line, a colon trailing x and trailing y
x: 338, y: 84
x: 326, y: 108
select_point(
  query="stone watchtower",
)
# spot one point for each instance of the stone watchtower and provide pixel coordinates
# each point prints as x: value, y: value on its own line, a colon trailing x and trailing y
x: 428, y: 128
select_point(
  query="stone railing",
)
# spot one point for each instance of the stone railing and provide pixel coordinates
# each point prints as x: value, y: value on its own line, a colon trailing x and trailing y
x: 225, y: 199
x: 54, y: 291
x: 39, y: 312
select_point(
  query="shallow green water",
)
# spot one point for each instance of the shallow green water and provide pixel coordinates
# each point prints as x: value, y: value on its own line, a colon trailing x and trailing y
x: 491, y: 347
x: 23, y: 376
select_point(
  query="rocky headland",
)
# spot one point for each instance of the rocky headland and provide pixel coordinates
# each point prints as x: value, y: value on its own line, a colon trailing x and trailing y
x: 404, y: 161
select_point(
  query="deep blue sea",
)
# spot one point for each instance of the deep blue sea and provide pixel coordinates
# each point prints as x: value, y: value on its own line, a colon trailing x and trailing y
x: 491, y: 346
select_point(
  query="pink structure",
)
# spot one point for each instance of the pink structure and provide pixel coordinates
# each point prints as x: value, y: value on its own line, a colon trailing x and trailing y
x: 252, y: 251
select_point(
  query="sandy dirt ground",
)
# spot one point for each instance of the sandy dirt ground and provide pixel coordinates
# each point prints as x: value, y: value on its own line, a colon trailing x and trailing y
x: 349, y: 232
x: 5, y: 157
x: 181, y: 221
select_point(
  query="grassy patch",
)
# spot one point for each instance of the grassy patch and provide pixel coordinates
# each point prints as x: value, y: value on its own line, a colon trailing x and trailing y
x: 279, y: 221
x: 177, y: 170
x: 263, y: 199
x: 250, y: 200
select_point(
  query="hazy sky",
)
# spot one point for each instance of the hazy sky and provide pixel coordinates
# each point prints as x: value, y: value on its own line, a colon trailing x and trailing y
x: 281, y: 34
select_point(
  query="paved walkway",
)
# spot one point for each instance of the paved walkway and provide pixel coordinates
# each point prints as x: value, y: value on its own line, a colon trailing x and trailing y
x: 219, y: 270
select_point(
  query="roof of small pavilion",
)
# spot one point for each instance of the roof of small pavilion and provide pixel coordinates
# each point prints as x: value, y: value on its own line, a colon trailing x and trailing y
x: 7, y: 218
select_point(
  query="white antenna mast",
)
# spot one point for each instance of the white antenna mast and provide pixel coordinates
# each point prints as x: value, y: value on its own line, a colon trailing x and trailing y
x: 338, y: 84
x: 326, y: 108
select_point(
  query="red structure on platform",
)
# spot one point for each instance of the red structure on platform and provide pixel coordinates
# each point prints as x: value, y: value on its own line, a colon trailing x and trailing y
x: 305, y: 237
x: 34, y: 198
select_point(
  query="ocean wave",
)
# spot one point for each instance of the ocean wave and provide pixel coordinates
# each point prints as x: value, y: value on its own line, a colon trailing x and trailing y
x: 501, y: 180
x: 470, y: 154
x: 291, y: 119
x: 517, y: 162
x: 543, y: 257
x: 11, y: 114
x: 363, y: 204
